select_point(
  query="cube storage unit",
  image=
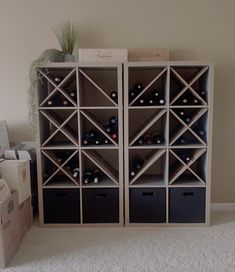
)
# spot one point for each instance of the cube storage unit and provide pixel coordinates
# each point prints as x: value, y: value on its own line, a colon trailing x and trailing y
x: 167, y: 127
x: 167, y: 142
x: 80, y: 144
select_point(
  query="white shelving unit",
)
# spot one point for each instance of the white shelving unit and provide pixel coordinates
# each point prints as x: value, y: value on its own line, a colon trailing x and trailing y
x: 167, y: 190
x: 64, y: 199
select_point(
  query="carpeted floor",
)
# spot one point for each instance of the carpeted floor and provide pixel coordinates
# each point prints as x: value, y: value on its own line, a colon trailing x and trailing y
x: 187, y: 249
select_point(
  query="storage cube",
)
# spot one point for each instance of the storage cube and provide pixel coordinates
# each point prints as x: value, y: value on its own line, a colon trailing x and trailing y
x: 101, y: 205
x: 61, y: 205
x: 147, y: 205
x: 187, y: 205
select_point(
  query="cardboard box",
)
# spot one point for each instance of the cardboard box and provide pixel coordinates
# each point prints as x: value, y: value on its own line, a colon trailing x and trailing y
x: 5, y: 192
x: 17, y: 175
x: 9, y: 229
x: 154, y: 54
x: 26, y: 217
x: 102, y: 55
x: 27, y: 151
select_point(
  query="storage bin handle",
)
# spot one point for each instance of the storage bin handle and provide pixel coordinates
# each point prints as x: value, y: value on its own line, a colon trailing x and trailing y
x: 100, y: 195
x: 147, y: 193
x: 188, y: 194
x: 61, y: 194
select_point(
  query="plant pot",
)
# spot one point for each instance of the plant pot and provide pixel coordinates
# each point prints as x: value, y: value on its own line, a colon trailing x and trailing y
x: 69, y: 58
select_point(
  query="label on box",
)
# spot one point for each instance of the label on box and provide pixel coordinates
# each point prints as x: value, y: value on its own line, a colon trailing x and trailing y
x: 102, y: 55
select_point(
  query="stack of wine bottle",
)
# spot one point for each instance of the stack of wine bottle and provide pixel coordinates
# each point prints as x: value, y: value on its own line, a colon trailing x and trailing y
x: 95, y: 177
x: 97, y: 138
x: 136, y: 165
x: 154, y: 98
x: 189, y: 98
x: 150, y: 139
x: 59, y: 100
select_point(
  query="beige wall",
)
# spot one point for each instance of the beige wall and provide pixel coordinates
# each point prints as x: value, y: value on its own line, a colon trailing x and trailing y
x: 198, y: 30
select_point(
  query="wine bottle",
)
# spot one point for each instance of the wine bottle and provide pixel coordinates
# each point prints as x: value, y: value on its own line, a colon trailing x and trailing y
x: 161, y: 101
x: 140, y: 141
x: 57, y: 79
x: 87, y: 177
x: 147, y: 139
x: 135, y: 90
x: 113, y: 120
x: 195, y: 101
x: 141, y: 102
x: 65, y: 102
x: 108, y: 128
x: 50, y: 103
x: 114, y: 135
x: 59, y: 160
x: 93, y: 134
x: 76, y: 172
x: 114, y: 96
x: 155, y: 94
x: 138, y: 86
x: 150, y: 101
x: 157, y: 139
x: 73, y: 94
x: 185, y: 156
x: 183, y: 141
x: 96, y: 176
x: 87, y: 140
x: 136, y: 165
x: 98, y: 140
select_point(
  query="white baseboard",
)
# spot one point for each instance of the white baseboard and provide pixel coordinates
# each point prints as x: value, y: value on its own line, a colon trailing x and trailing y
x: 222, y: 206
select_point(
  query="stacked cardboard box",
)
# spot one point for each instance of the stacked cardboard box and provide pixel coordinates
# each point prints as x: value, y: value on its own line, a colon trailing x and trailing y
x: 16, y: 209
x: 10, y: 233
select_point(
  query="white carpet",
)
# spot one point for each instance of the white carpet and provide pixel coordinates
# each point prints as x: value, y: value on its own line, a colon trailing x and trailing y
x: 190, y: 249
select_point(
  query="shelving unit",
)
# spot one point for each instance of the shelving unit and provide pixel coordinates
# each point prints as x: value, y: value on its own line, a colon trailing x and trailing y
x: 171, y: 184
x: 74, y: 98
x: 169, y: 189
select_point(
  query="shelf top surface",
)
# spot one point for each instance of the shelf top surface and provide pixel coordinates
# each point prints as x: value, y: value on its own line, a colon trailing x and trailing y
x: 131, y: 64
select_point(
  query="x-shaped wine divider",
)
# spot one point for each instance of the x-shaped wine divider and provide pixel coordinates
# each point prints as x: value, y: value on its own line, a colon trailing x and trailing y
x: 57, y: 87
x: 189, y: 85
x: 186, y: 166
x: 188, y: 127
x: 59, y: 127
x: 59, y: 167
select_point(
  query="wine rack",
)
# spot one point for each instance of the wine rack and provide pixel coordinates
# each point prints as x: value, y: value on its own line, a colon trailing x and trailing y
x: 78, y: 141
x: 167, y: 182
x: 145, y: 125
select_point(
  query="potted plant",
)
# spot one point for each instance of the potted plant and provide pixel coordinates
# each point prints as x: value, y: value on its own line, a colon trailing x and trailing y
x: 66, y: 34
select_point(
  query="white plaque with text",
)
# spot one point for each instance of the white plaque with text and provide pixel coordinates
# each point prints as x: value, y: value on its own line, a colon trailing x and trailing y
x: 102, y: 55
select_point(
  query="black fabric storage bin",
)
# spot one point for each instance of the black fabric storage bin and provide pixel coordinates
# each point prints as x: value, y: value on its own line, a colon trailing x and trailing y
x: 61, y: 205
x: 187, y: 205
x: 147, y: 205
x: 101, y: 205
